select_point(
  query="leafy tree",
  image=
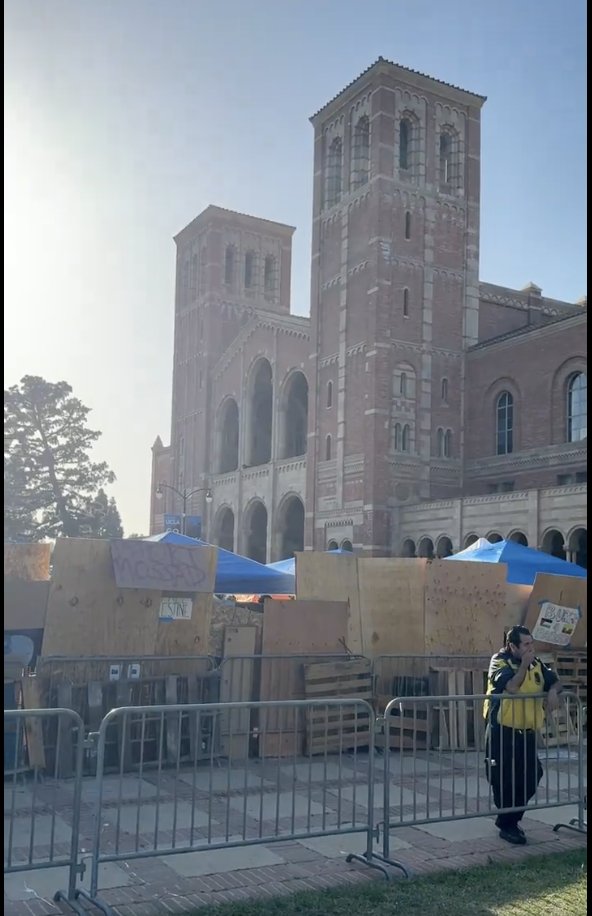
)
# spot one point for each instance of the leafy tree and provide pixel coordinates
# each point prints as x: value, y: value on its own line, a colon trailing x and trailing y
x: 49, y: 478
x: 103, y: 519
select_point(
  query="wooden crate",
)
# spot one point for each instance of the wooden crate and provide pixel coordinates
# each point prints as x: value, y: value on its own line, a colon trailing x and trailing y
x: 338, y: 728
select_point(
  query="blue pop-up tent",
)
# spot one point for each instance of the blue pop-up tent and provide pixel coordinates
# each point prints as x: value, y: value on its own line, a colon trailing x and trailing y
x: 236, y: 575
x: 289, y: 566
x: 523, y: 562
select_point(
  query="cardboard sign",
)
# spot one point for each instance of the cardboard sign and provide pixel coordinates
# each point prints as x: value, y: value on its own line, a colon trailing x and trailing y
x: 164, y: 567
x: 176, y: 609
x: 556, y: 624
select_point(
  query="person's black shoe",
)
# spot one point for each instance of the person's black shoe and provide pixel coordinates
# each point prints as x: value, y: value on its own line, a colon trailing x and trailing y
x: 521, y: 831
x: 513, y: 835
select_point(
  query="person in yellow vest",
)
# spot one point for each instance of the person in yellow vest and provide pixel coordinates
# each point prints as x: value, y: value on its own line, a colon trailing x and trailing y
x: 511, y: 761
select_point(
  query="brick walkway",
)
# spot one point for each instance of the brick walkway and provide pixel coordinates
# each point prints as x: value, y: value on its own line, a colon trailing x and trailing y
x: 246, y: 803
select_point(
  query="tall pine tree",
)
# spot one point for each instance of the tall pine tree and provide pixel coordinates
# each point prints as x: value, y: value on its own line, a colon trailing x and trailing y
x: 50, y: 480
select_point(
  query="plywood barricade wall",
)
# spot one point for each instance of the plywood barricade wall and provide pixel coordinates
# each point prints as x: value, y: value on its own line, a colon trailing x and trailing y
x: 304, y: 629
x: 392, y: 602
x: 332, y: 578
x: 27, y: 562
x: 89, y: 615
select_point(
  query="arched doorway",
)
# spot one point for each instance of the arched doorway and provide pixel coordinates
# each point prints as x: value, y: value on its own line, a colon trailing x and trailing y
x: 225, y: 528
x: 260, y: 414
x: 256, y: 532
x: 291, y: 527
x: 494, y: 537
x: 554, y: 543
x: 444, y: 547
x: 347, y: 545
x: 519, y: 538
x: 408, y: 548
x: 228, y: 437
x: 294, y: 416
x: 578, y: 547
x: 332, y: 545
x: 426, y: 548
x: 470, y: 539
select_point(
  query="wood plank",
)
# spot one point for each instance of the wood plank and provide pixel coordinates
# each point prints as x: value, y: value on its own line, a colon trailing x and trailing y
x: 237, y: 685
x: 186, y: 637
x: 65, y: 761
x: 31, y: 698
x: 25, y: 605
x: 392, y: 605
x: 322, y: 577
x: 464, y: 607
x: 27, y: 562
x: 565, y: 591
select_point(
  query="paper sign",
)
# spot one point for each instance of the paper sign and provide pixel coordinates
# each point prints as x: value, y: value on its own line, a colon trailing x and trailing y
x: 176, y: 609
x: 556, y: 624
x: 163, y: 567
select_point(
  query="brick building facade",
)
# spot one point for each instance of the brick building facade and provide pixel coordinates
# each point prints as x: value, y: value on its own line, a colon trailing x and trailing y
x: 416, y: 408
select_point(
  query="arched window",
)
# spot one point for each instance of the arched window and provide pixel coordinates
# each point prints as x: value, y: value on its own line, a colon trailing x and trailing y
x: 334, y: 169
x: 408, y: 225
x: 445, y: 158
x: 360, y: 158
x: 249, y: 269
x: 329, y: 394
x: 406, y: 438
x: 577, y: 411
x: 405, y: 303
x: 403, y: 385
x: 405, y: 130
x: 229, y: 265
x: 328, y: 448
x: 347, y: 545
x: 332, y: 545
x: 505, y: 424
x: 269, y: 274
x: 444, y: 390
x: 447, y: 445
x: 398, y: 437
x: 440, y: 443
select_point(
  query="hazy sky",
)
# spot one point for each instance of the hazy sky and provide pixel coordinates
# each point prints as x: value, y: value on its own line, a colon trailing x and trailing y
x: 125, y: 118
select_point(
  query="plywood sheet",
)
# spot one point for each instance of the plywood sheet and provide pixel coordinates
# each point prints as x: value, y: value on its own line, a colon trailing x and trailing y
x: 87, y: 614
x: 163, y: 566
x: 332, y: 578
x: 29, y: 562
x: 25, y: 604
x: 236, y: 685
x: 304, y: 626
x: 392, y: 605
x: 517, y: 597
x: 565, y: 591
x: 186, y: 637
x: 465, y: 606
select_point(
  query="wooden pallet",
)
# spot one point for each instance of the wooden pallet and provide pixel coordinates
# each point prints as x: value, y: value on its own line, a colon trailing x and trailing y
x: 559, y: 730
x: 458, y: 725
x: 338, y: 728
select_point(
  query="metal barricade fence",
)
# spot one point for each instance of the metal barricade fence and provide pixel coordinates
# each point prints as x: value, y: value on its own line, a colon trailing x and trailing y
x: 312, y: 776
x: 41, y: 808
x: 497, y: 776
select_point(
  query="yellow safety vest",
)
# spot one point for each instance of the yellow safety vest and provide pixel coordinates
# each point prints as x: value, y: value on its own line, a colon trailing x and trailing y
x: 519, y: 713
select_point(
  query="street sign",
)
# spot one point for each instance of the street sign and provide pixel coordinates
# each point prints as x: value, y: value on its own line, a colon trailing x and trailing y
x: 173, y: 523
x: 193, y: 526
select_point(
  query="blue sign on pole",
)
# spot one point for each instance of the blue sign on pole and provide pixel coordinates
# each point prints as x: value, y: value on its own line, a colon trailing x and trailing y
x: 173, y: 523
x: 193, y: 526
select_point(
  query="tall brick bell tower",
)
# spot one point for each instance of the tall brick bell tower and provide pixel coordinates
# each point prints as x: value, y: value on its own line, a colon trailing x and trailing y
x: 394, y: 301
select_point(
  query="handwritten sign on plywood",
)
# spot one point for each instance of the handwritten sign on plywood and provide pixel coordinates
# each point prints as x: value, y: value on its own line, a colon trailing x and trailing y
x: 165, y: 567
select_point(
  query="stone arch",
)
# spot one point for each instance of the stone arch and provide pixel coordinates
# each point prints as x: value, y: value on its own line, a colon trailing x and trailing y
x: 553, y: 542
x: 408, y: 548
x: 518, y: 537
x: 470, y: 539
x: 228, y: 436
x: 503, y: 385
x: 260, y: 412
x: 294, y: 416
x: 577, y: 546
x: 444, y: 547
x: 560, y: 396
x: 332, y: 545
x: 425, y: 548
x: 347, y: 545
x: 360, y: 152
x: 224, y: 528
x: 255, y: 530
x: 494, y: 537
x: 290, y: 527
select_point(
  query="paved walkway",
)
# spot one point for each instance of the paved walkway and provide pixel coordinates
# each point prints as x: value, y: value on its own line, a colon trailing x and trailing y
x: 296, y: 797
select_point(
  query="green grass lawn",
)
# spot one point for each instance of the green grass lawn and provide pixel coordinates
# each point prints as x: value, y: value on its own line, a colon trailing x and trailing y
x: 544, y: 886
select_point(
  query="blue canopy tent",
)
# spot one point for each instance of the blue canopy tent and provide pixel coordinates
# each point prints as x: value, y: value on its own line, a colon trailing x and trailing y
x: 289, y: 566
x: 236, y: 575
x: 523, y: 562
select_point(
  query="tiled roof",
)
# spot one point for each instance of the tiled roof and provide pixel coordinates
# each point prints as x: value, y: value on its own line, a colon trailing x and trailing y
x: 383, y: 60
x: 527, y: 329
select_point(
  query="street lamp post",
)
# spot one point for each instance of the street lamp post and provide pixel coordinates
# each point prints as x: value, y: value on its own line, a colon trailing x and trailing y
x: 185, y: 495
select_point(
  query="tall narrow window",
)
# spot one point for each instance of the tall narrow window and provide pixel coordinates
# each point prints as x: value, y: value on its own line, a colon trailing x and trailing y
x: 577, y: 411
x: 444, y: 390
x: 403, y: 385
x: 249, y: 270
x: 193, y: 277
x: 334, y: 170
x: 229, y: 265
x: 440, y: 443
x: 329, y: 394
x: 398, y: 437
x: 406, y: 439
x: 505, y: 424
x: 405, y: 303
x: 328, y: 448
x: 447, y: 451
x: 269, y: 274
x: 405, y: 144
x: 448, y: 152
x: 203, y: 256
x: 408, y: 225
x: 360, y: 162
